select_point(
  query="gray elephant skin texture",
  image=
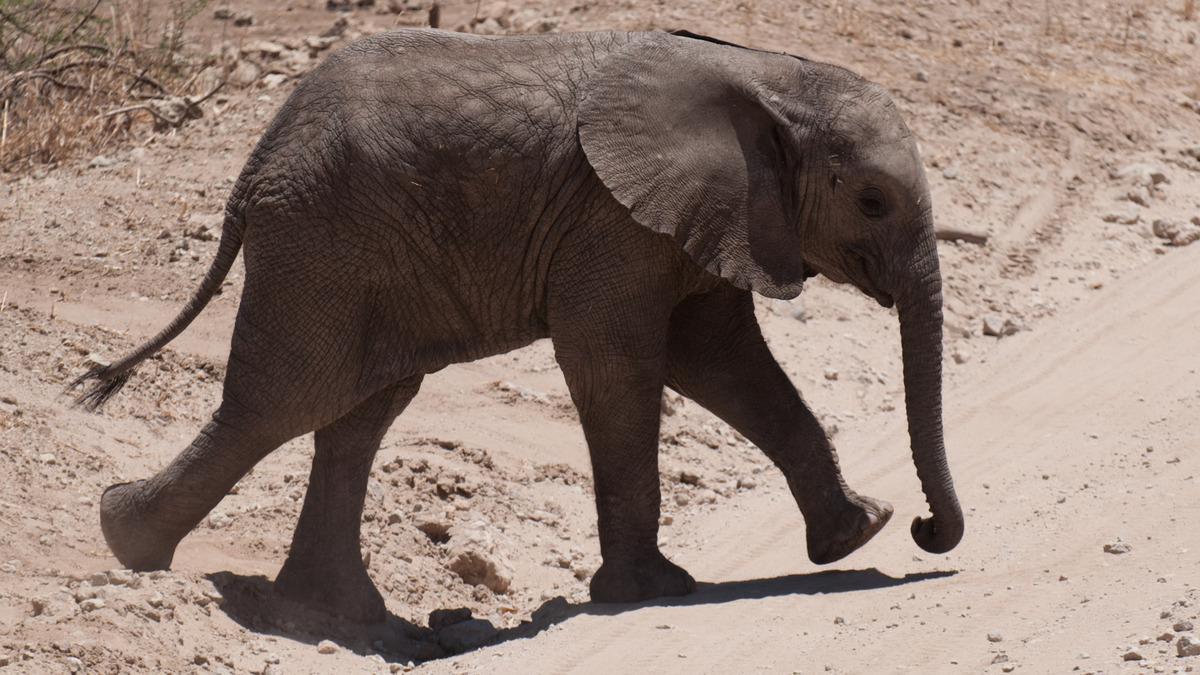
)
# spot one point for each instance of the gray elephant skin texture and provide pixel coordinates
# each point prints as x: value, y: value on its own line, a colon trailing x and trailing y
x: 426, y: 198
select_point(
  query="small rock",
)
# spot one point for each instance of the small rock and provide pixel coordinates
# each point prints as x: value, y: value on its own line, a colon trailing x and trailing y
x: 994, y: 637
x: 747, y: 483
x: 326, y: 647
x: 1187, y: 645
x: 1167, y: 636
x: 273, y: 80
x: 1132, y: 655
x: 921, y: 76
x: 245, y: 73
x: 689, y: 477
x: 91, y: 604
x: 1181, y: 626
x: 1139, y: 196
x: 5, y: 659
x: 319, y: 43
x: 831, y: 374
x: 120, y: 577
x: 47, y: 458
x: 1122, y: 217
x: 998, y: 326
x: 101, y: 162
x: 98, y: 579
x: 243, y: 19
x: 375, y: 490
x: 55, y: 605
x: 436, y: 529
x: 1117, y: 547
x: 1178, y: 232
x: 473, y: 558
x: 950, y: 172
x: 84, y: 591
x: 440, y: 618
x: 467, y: 635
x: 706, y: 496
x: 223, y: 14
x: 1146, y: 175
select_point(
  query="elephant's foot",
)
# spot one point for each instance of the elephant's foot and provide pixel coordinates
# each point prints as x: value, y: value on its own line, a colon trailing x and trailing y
x: 338, y: 590
x: 840, y: 534
x: 644, y: 579
x: 139, y: 543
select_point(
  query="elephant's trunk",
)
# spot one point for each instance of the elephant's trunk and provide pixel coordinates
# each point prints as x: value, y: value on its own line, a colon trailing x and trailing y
x: 920, y: 308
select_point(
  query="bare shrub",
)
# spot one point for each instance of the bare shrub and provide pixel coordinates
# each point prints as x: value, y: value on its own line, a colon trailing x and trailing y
x: 67, y: 65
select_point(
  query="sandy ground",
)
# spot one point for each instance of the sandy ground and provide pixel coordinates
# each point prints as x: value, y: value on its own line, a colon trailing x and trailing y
x: 1060, y: 133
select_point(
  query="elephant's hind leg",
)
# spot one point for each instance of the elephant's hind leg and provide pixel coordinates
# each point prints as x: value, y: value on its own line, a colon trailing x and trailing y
x: 143, y: 521
x: 717, y: 357
x: 324, y: 568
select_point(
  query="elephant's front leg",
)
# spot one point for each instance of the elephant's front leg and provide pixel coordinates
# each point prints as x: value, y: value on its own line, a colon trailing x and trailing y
x: 717, y: 357
x: 324, y: 569
x: 619, y: 402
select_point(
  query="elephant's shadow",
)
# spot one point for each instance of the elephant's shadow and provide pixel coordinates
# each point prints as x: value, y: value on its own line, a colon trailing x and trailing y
x: 250, y: 602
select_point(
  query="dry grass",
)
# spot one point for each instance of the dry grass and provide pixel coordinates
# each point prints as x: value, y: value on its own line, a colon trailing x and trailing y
x: 66, y: 65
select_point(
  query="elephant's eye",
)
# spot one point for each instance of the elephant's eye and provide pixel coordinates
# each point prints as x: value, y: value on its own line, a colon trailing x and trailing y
x: 872, y: 202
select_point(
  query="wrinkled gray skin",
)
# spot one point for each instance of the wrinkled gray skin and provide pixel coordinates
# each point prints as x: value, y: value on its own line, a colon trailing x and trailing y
x: 426, y: 198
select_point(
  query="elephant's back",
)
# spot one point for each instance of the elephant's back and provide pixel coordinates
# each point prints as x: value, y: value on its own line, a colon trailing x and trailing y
x: 428, y: 108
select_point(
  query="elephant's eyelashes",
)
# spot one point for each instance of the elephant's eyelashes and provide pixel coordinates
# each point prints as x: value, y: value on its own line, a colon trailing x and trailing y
x: 872, y: 202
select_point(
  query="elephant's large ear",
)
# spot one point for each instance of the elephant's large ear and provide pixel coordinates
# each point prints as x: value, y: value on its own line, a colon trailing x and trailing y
x: 684, y: 135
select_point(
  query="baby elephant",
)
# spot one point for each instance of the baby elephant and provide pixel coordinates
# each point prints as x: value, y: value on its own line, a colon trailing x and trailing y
x: 426, y: 198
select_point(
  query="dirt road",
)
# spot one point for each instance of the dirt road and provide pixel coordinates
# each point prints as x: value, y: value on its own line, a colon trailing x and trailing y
x: 1055, y: 135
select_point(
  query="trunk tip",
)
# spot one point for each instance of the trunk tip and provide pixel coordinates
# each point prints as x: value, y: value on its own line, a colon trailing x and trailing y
x: 935, y: 535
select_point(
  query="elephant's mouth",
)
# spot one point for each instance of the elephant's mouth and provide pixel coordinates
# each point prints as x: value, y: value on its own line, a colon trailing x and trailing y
x: 864, y: 280
x: 882, y: 298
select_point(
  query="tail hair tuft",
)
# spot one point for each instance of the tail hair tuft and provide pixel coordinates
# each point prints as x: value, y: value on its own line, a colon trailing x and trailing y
x: 99, y: 391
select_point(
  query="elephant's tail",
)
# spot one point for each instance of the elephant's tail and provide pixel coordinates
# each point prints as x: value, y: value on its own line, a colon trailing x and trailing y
x: 109, y: 379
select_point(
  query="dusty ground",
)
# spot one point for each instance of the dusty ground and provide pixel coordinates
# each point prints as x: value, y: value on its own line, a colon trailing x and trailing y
x: 1060, y: 131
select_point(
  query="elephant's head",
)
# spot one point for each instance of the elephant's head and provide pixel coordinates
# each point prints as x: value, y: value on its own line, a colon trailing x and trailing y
x: 768, y: 169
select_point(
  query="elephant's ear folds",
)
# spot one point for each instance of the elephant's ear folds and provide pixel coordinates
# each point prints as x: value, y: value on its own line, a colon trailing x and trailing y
x: 676, y: 128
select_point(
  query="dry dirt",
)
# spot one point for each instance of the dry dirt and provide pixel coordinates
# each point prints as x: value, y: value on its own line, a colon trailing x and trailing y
x: 1058, y: 131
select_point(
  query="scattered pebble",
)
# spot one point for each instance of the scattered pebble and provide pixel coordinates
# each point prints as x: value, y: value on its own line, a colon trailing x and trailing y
x: 326, y: 647
x: 1132, y: 655
x: 1131, y: 217
x: 1182, y: 626
x: 91, y: 604
x: 120, y: 577
x: 1178, y: 232
x: 474, y: 559
x: 998, y: 326
x: 1117, y: 547
x: 441, y: 618
x: 995, y: 637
